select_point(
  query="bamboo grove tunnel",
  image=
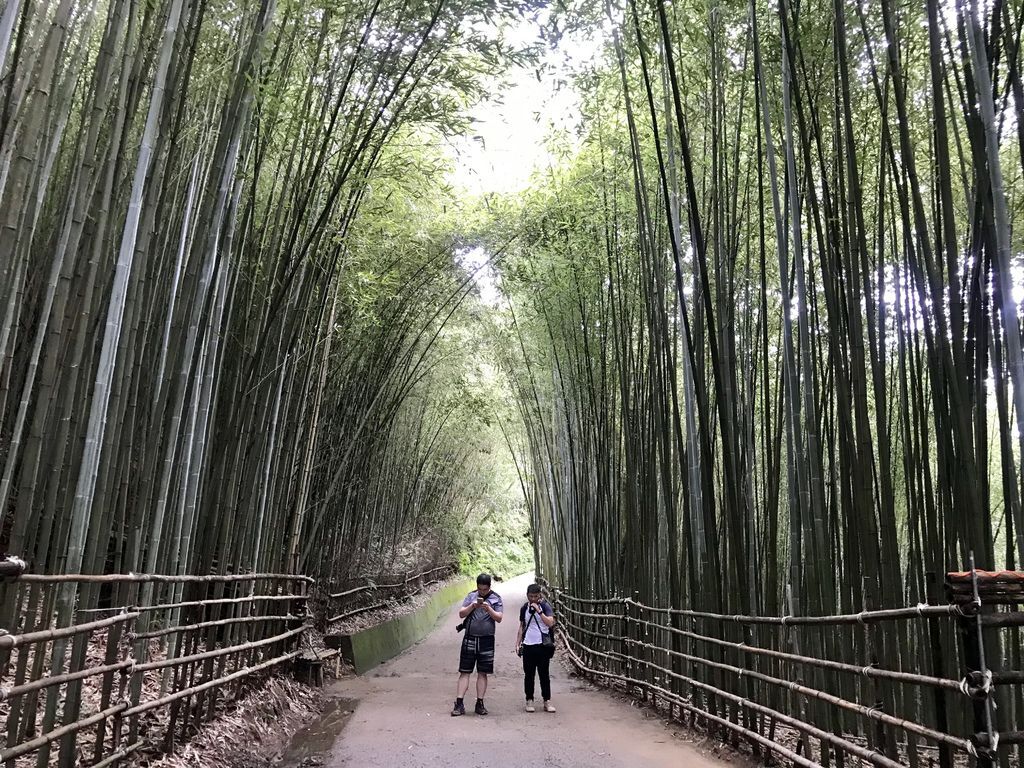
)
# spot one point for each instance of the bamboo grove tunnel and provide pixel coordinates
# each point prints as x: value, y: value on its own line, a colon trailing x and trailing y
x: 707, y: 311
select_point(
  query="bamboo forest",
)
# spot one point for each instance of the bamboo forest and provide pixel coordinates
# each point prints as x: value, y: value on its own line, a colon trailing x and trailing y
x: 741, y: 349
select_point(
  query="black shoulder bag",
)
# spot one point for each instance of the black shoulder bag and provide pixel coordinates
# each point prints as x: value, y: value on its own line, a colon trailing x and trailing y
x: 464, y: 624
x: 548, y: 639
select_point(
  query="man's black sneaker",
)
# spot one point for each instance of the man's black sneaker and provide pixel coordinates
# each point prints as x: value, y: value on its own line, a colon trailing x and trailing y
x: 480, y: 708
x: 458, y: 709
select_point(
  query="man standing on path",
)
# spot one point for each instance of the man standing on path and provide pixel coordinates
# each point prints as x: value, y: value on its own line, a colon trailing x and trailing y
x: 482, y: 611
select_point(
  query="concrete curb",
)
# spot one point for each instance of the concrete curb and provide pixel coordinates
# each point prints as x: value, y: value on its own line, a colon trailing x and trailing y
x: 368, y: 648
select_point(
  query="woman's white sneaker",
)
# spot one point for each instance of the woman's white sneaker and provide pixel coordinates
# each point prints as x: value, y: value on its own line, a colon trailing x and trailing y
x: 529, y: 706
x: 549, y: 707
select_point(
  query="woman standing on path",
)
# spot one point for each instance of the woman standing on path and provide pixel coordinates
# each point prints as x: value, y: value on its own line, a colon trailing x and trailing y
x: 534, y: 644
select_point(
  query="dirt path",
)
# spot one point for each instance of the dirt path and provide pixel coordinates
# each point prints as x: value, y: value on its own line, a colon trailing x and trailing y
x: 398, y: 716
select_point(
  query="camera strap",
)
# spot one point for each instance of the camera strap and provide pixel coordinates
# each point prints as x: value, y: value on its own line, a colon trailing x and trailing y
x: 533, y: 618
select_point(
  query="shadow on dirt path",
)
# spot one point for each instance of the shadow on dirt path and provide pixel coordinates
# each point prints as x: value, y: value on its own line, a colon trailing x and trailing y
x: 398, y: 716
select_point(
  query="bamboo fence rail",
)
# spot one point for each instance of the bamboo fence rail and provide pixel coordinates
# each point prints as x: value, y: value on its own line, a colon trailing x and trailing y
x: 156, y: 578
x: 744, y: 678
x: 348, y: 601
x: 96, y: 691
x: 854, y: 748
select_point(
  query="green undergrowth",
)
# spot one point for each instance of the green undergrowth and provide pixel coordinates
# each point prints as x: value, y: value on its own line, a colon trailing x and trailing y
x: 499, y: 543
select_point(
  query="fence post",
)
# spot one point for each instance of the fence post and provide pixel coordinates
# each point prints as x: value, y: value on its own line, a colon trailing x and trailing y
x: 626, y: 651
x: 112, y: 656
x: 803, y: 744
x: 939, y: 670
x: 872, y: 644
x: 590, y: 641
x: 985, y: 736
x: 12, y: 606
x: 11, y: 568
x: 635, y: 632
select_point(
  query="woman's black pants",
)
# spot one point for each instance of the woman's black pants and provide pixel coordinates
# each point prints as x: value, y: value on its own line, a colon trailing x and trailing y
x: 536, y: 659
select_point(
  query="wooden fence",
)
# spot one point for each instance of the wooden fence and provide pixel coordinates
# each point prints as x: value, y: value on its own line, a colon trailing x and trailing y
x: 95, y: 668
x: 905, y: 686
x: 377, y: 593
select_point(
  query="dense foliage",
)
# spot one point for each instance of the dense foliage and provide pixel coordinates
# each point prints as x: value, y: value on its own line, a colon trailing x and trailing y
x: 766, y: 334
x: 229, y: 302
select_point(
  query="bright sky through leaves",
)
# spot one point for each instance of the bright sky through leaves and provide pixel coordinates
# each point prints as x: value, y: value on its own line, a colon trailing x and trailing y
x: 510, y: 144
x: 486, y: 278
x: 511, y: 129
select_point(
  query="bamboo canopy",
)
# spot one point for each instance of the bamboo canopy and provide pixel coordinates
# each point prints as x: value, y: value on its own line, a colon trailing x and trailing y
x: 764, y: 330
x: 226, y: 302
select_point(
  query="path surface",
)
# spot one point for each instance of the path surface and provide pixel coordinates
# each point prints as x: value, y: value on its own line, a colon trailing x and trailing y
x: 402, y: 718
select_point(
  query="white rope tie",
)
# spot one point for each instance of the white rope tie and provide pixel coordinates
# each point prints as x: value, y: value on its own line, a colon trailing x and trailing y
x: 988, y: 749
x: 965, y: 687
x: 979, y: 691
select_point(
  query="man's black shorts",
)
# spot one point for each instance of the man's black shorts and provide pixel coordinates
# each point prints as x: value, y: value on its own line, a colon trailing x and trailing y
x: 477, y: 651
